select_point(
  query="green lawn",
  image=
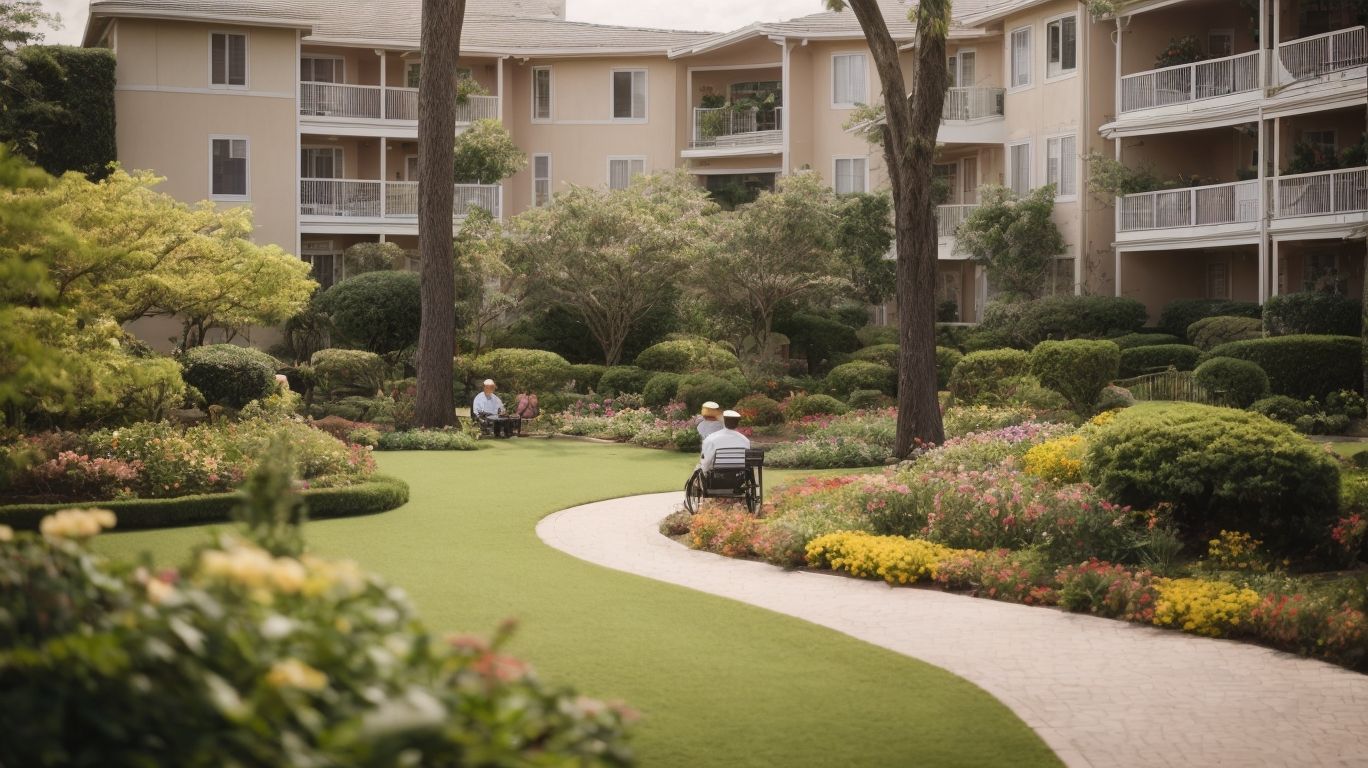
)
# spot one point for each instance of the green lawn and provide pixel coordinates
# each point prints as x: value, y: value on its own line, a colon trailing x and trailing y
x: 719, y: 683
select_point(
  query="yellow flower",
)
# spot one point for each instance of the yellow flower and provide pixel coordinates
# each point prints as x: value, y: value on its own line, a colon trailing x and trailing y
x: 293, y: 673
x: 894, y: 559
x: 159, y: 591
x: 6, y: 533
x: 76, y: 523
x: 1059, y: 460
x: 1211, y: 608
x: 288, y: 575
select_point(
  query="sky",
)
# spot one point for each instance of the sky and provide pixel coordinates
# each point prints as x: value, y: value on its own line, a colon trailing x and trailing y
x: 708, y: 15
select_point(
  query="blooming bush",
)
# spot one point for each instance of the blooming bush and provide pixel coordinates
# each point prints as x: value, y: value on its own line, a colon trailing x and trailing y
x: 1350, y: 534
x: 1106, y: 589
x: 427, y: 440
x: 985, y: 450
x: 894, y: 559
x: 1059, y: 460
x: 1211, y: 608
x: 1234, y: 550
x: 1014, y: 577
x: 963, y: 419
x: 80, y: 476
x: 726, y: 529
x: 826, y: 453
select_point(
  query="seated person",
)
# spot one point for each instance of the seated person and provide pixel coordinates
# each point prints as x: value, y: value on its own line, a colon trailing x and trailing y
x: 709, y: 419
x: 527, y: 408
x: 488, y: 408
x: 727, y: 437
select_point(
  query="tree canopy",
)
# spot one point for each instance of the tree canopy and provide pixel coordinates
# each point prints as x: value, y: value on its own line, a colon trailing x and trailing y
x: 1014, y: 238
x: 486, y: 154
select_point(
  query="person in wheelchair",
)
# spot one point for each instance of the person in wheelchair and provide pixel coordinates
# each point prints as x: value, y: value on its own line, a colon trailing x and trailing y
x: 726, y: 437
x: 727, y: 470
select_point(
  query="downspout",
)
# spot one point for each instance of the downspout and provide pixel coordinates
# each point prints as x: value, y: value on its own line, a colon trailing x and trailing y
x: 1083, y: 205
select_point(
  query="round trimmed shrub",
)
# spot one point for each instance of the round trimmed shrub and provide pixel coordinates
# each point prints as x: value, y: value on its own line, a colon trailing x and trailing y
x: 226, y: 374
x: 1027, y: 323
x: 687, y: 356
x: 1077, y: 369
x: 696, y: 389
x: 1234, y: 382
x: 874, y: 335
x: 1178, y: 315
x: 342, y: 372
x: 522, y: 370
x: 660, y: 389
x: 759, y: 410
x: 1138, y: 360
x: 798, y: 406
x: 1132, y: 340
x: 586, y: 376
x: 376, y: 311
x: 1312, y: 312
x: 620, y: 379
x: 1301, y: 366
x: 946, y: 360
x: 1214, y: 331
x: 886, y: 354
x: 1220, y: 468
x: 977, y: 373
x: 1280, y: 408
x: 866, y: 399
x: 848, y: 377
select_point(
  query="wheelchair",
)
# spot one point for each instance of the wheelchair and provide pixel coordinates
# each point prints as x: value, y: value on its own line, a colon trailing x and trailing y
x: 737, y: 474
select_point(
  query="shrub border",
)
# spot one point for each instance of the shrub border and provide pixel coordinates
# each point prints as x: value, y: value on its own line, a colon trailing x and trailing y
x: 379, y: 494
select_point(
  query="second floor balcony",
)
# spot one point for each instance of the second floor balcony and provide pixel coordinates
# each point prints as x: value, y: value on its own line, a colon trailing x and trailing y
x: 1235, y: 204
x: 948, y: 220
x: 1319, y: 55
x: 1191, y: 82
x: 973, y: 116
x: 732, y: 130
x: 1326, y: 193
x: 364, y: 201
x: 374, y: 102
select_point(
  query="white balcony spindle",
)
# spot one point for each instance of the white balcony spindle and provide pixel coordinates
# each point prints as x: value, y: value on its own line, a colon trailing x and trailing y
x: 1317, y: 55
x: 950, y: 217
x: 1235, y: 203
x: 1190, y: 82
x: 1321, y: 194
x: 731, y: 127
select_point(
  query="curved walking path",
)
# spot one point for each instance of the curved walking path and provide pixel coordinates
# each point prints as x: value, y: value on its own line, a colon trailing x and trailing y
x: 1100, y: 692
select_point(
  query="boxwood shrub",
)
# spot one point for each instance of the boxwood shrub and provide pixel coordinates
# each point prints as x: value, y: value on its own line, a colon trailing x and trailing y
x: 1280, y: 408
x: 586, y: 376
x: 798, y: 406
x: 621, y: 379
x: 1233, y: 382
x: 865, y: 399
x: 1214, y: 331
x: 977, y: 373
x: 696, y: 389
x: 860, y: 374
x: 522, y: 370
x: 1025, y: 324
x: 1132, y: 340
x: 1301, y: 366
x: 1138, y: 360
x: 1220, y: 468
x: 1078, y: 369
x: 226, y: 374
x: 886, y: 354
x: 660, y: 389
x: 759, y: 410
x: 687, y: 356
x: 342, y: 372
x: 1312, y: 312
x: 946, y: 360
x: 427, y: 440
x: 376, y: 311
x: 1178, y: 315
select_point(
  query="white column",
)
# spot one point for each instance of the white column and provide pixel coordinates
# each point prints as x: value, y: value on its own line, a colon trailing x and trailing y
x: 1276, y: 267
x: 500, y: 85
x: 384, y: 173
x: 1116, y: 87
x: 1263, y: 208
x: 384, y: 96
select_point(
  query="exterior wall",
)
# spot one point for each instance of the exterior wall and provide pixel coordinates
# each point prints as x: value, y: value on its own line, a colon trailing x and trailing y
x: 1098, y: 60
x: 1348, y: 125
x: 1150, y: 33
x: 988, y: 61
x: 1159, y: 277
x: 1212, y: 155
x: 829, y: 137
x: 167, y: 113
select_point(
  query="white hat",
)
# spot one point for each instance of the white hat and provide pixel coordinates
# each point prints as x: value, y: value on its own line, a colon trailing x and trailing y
x: 489, y: 382
x: 712, y: 406
x: 730, y: 415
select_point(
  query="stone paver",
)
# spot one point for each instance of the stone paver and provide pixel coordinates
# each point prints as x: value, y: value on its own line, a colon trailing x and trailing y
x: 1100, y: 692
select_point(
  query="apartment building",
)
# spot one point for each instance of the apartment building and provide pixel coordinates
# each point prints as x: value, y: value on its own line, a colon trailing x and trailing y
x: 307, y: 111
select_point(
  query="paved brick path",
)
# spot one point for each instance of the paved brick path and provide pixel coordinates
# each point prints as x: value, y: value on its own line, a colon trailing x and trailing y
x: 1099, y: 692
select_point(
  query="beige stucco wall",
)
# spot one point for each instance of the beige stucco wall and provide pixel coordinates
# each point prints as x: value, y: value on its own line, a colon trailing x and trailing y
x: 1348, y: 125
x: 1214, y: 154
x: 1150, y: 33
x: 1159, y: 277
x: 988, y: 71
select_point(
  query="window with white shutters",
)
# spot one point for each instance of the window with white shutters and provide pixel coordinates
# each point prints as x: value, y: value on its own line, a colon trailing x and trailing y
x: 541, y: 180
x: 848, y: 83
x: 1019, y: 168
x: 1061, y: 38
x: 541, y: 93
x: 1061, y: 165
x: 621, y: 170
x: 1021, y: 58
x: 227, y: 60
x: 228, y: 168
x: 849, y: 175
x: 629, y: 94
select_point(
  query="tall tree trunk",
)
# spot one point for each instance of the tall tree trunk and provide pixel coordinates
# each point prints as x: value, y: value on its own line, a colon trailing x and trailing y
x: 909, y: 137
x: 441, y: 44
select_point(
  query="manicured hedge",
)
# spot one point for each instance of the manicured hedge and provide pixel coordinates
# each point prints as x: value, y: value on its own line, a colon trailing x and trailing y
x: 226, y: 374
x: 1233, y: 382
x: 1025, y: 324
x: 342, y: 372
x: 696, y: 389
x: 687, y: 356
x: 660, y: 389
x: 586, y: 376
x: 1078, y: 369
x: 80, y: 135
x: 1301, y: 366
x: 978, y: 372
x: 1138, y: 360
x: 879, y: 353
x: 1213, y: 331
x: 621, y: 379
x: 1180, y: 314
x: 860, y: 374
x: 1132, y: 340
x: 376, y: 311
x: 1312, y: 312
x: 379, y: 494
x: 523, y: 370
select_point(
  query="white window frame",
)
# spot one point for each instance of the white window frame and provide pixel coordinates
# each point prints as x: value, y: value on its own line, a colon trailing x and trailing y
x: 645, y: 94
x: 608, y: 175
x: 339, y: 59
x: 958, y: 69
x: 1030, y: 163
x: 831, y: 70
x: 246, y: 61
x: 547, y: 179
x: 247, y: 168
x: 1062, y: 74
x: 414, y: 157
x: 1060, y: 196
x: 339, y: 152
x: 836, y: 162
x: 550, y: 96
x: 1012, y: 86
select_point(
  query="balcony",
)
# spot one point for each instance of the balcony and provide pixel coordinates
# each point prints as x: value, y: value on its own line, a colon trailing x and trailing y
x: 723, y: 131
x: 355, y: 204
x: 1327, y: 193
x: 1175, y: 213
x: 973, y: 116
x: 1311, y: 57
x: 948, y: 220
x: 336, y: 102
x: 1186, y: 83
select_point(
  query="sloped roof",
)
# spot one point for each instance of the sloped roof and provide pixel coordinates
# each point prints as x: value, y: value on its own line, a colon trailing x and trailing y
x: 495, y: 26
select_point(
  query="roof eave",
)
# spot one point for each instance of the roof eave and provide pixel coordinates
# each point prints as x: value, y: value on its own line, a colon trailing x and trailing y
x: 721, y: 40
x: 162, y: 15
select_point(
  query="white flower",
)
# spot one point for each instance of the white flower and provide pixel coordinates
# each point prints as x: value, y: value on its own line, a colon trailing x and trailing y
x: 76, y: 523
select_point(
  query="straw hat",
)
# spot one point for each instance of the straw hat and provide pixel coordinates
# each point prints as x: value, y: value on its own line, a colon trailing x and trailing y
x: 711, y: 409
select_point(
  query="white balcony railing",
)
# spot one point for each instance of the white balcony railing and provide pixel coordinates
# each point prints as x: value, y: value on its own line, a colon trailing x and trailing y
x: 365, y: 101
x: 949, y: 217
x: 350, y: 198
x: 1321, y: 194
x: 972, y: 103
x: 1232, y: 203
x: 1318, y: 55
x: 731, y: 127
x: 1190, y: 82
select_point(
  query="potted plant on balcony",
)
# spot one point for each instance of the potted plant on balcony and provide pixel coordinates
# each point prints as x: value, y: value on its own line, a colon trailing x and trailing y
x: 1180, y: 50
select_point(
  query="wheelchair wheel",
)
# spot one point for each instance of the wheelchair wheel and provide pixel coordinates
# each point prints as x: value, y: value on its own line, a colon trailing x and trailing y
x: 752, y: 499
x: 693, y: 492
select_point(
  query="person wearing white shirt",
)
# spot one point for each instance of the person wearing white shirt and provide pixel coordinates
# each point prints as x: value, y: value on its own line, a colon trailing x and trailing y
x: 489, y: 408
x: 727, y: 437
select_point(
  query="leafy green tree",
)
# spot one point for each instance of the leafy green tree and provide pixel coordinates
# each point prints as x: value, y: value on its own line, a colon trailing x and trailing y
x: 486, y: 154
x: 864, y: 234
x: 373, y: 257
x: 375, y: 311
x: 611, y: 256
x: 487, y: 291
x: 1014, y: 238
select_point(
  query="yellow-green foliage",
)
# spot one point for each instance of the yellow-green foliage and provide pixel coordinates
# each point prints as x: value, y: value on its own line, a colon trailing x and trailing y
x: 894, y: 559
x: 1234, y: 550
x: 1211, y: 608
x: 1059, y: 460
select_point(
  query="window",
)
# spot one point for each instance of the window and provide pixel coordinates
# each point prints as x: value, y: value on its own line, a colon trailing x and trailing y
x: 320, y: 163
x: 1019, y: 167
x: 322, y: 69
x: 541, y: 180
x: 325, y: 262
x: 228, y: 168
x: 969, y: 180
x: 961, y: 67
x: 848, y: 80
x: 1218, y: 280
x: 629, y: 94
x: 1220, y: 43
x: 541, y: 93
x: 1061, y: 166
x: 227, y: 60
x: 850, y: 175
x: 621, y: 171
x: 1061, y: 38
x: 1021, y: 58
